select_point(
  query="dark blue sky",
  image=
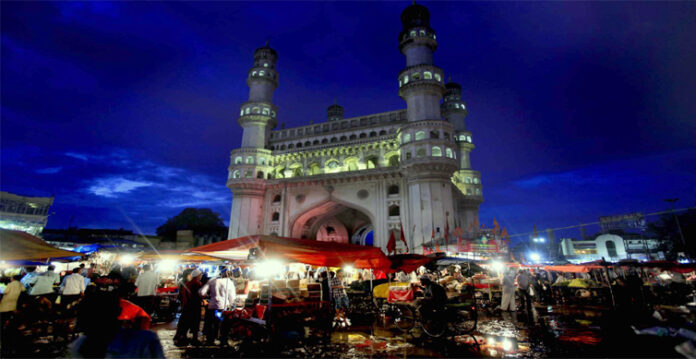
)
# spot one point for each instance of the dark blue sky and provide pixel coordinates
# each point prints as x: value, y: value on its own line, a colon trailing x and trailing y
x: 127, y: 111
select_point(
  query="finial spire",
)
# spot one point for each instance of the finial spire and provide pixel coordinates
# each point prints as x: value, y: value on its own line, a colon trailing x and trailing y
x: 335, y: 100
x: 413, y: 2
x: 267, y: 40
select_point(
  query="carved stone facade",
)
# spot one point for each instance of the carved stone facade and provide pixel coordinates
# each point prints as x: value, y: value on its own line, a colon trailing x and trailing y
x: 356, y: 179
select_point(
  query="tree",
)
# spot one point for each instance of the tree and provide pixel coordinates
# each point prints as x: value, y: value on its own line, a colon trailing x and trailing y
x: 202, y: 221
x: 666, y: 228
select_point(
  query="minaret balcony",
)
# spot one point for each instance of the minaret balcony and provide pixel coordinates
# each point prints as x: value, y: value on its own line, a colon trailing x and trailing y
x: 418, y: 36
x: 262, y: 75
x: 258, y: 108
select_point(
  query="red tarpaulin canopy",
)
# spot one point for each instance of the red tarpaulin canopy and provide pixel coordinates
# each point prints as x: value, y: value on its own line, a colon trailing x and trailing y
x: 316, y: 253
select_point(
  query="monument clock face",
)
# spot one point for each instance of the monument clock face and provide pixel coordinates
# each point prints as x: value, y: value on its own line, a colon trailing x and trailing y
x: 356, y: 180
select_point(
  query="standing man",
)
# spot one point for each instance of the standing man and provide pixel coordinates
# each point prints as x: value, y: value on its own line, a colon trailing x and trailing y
x: 339, y: 292
x: 523, y: 282
x: 190, y: 319
x: 147, y: 288
x: 222, y: 295
x: 508, y: 302
x: 72, y: 288
x: 43, y: 283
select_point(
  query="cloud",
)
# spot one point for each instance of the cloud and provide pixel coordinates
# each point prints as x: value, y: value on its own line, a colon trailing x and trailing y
x: 49, y: 170
x: 79, y: 156
x: 112, y: 186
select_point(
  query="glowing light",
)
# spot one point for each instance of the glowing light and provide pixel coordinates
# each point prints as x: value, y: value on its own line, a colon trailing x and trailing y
x: 507, y: 345
x: 167, y: 265
x: 269, y: 268
x: 498, y: 266
x: 539, y: 239
x: 490, y: 340
x: 348, y: 269
x: 127, y: 259
x: 534, y: 256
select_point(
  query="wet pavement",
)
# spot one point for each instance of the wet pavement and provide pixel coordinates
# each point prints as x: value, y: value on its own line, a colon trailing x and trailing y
x: 549, y: 332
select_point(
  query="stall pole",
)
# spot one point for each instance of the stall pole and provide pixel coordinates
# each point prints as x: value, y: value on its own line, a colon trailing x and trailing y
x: 611, y: 289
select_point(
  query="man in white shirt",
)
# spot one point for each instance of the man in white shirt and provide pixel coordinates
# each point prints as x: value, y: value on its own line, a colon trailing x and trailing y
x: 72, y: 288
x: 147, y: 283
x: 43, y: 283
x: 222, y: 295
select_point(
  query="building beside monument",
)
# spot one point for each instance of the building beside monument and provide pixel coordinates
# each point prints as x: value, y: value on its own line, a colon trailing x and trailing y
x: 353, y: 180
x: 24, y: 213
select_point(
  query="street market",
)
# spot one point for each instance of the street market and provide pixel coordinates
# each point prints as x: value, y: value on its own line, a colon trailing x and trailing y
x: 273, y: 296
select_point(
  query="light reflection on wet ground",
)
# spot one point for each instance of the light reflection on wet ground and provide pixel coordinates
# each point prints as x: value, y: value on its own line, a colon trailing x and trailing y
x: 498, y: 334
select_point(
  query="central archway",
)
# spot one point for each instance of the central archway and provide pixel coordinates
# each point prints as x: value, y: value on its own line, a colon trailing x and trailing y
x: 334, y: 222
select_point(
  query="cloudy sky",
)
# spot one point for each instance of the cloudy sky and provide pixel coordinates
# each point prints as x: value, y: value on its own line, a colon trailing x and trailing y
x: 126, y: 112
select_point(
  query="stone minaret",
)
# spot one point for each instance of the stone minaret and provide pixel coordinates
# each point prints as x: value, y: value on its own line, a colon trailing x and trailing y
x: 251, y: 164
x: 427, y: 143
x: 467, y: 180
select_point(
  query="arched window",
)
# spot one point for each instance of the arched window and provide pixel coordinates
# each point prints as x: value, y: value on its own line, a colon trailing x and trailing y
x: 372, y: 162
x: 363, y: 135
x: 275, y: 217
x: 299, y: 145
x: 467, y: 180
x: 373, y: 134
x: 324, y: 140
x: 412, y: 33
x: 434, y: 134
x: 428, y: 75
x: 382, y: 133
x: 316, y: 142
x: 468, y: 139
x: 282, y: 148
x: 352, y: 164
x: 421, y: 32
x: 297, y: 172
x: 262, y: 161
x: 265, y: 64
x: 248, y: 174
x: 406, y: 138
x: 405, y: 79
x: 259, y: 174
x: 393, y: 189
x: 276, y: 199
x: 420, y: 152
x: 394, y: 161
x: 250, y: 159
x: 314, y: 169
x: 255, y: 110
x: 408, y: 155
x: 241, y: 113
x: 611, y: 248
x: 448, y: 152
x: 307, y: 143
x: 438, y: 78
x: 475, y: 180
x: 393, y: 211
x: 262, y: 73
x: 290, y: 146
x: 253, y: 73
x: 333, y: 164
x: 334, y: 139
x: 420, y: 135
x: 343, y: 138
x: 238, y: 160
x: 247, y: 110
x: 445, y: 135
x: 478, y: 191
x: 265, y: 111
x: 436, y: 151
x: 235, y: 174
x: 272, y: 147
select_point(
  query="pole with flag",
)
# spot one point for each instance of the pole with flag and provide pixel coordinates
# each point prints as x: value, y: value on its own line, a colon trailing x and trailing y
x: 391, y: 245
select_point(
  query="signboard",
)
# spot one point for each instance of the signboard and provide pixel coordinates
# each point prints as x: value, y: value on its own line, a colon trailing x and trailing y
x: 623, y: 222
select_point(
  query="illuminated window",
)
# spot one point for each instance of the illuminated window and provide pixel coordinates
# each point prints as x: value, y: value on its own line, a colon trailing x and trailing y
x: 265, y: 111
x: 412, y: 33
x: 420, y: 152
x: 438, y: 78
x: 468, y: 139
x: 405, y: 79
x: 247, y: 110
x: 420, y: 135
x: 475, y: 180
x: 255, y: 110
x: 262, y: 161
x: 478, y: 191
x: 394, y: 161
x: 428, y: 75
x: 467, y: 180
x: 241, y: 113
x: 421, y: 33
x: 238, y: 160
x: 448, y: 152
x: 456, y: 105
x: 248, y: 174
x: 401, y: 82
x: 262, y: 73
x: 462, y: 106
x: 253, y: 73
x: 265, y: 64
x: 235, y: 174
x: 462, y: 138
x: 406, y: 138
x: 250, y: 159
x: 436, y: 151
x: 468, y: 191
x: 416, y: 76
x: 272, y: 113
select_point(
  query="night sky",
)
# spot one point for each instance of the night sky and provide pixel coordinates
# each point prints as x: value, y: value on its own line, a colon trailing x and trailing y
x: 126, y: 112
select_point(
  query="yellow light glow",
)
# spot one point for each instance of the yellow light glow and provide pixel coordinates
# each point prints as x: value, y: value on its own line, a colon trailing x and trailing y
x: 269, y: 268
x: 507, y: 345
x: 167, y: 265
x: 127, y: 259
x: 498, y: 266
x: 348, y: 269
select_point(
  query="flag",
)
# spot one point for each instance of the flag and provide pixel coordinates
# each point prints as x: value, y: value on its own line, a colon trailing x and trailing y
x: 403, y: 237
x: 504, y: 234
x: 391, y: 245
x: 496, y: 226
